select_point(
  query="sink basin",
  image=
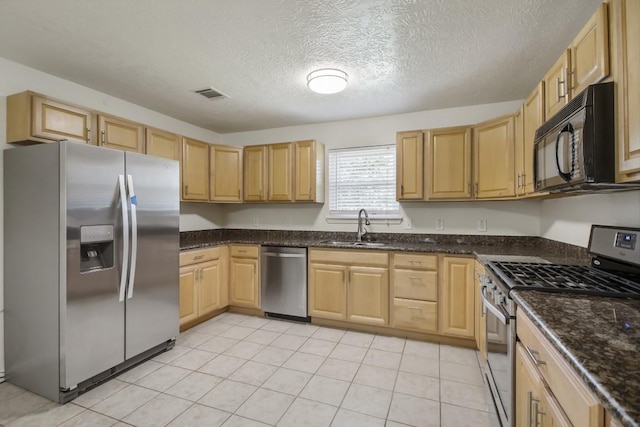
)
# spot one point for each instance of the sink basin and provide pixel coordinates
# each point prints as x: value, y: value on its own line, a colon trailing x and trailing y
x: 354, y: 244
x: 369, y: 244
x: 337, y: 242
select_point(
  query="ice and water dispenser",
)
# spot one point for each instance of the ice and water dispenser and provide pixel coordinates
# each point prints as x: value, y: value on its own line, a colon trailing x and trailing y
x: 96, y: 247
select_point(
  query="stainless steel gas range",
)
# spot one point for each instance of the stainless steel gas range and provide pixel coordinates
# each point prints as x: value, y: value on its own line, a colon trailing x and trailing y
x: 614, y: 272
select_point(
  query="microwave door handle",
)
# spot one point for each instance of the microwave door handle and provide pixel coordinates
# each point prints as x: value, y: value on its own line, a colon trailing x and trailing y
x: 564, y: 175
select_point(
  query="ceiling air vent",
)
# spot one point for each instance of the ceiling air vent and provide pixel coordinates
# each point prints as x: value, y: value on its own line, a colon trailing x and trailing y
x: 211, y: 93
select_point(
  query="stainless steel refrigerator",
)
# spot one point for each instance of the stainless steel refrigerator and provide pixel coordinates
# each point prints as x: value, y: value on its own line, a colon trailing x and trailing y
x: 91, y: 247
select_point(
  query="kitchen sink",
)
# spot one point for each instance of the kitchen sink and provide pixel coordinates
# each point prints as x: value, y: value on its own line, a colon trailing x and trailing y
x: 354, y: 244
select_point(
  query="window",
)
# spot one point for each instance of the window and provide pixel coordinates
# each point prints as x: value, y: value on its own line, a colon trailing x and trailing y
x: 363, y: 177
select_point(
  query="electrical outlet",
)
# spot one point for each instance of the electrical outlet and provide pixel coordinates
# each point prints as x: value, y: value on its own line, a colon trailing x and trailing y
x: 256, y: 221
x: 482, y: 225
x: 408, y: 225
x: 440, y: 224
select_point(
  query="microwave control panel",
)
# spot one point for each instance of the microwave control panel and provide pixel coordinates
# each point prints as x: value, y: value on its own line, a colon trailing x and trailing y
x: 626, y: 241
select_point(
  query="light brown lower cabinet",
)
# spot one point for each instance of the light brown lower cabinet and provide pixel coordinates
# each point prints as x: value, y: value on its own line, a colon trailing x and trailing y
x: 203, y: 282
x: 415, y: 292
x: 328, y: 291
x: 457, y: 297
x: 244, y: 285
x: 415, y: 315
x: 349, y: 285
x: 368, y: 295
x: 548, y: 385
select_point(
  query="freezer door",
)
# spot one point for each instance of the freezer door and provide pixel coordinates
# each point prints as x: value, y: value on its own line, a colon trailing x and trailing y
x: 91, y: 315
x: 152, y: 295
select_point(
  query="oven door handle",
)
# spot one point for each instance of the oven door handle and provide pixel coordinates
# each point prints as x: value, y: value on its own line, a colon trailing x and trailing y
x: 492, y: 308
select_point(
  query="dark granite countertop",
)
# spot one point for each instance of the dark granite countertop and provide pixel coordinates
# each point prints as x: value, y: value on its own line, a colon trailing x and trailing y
x: 474, y: 245
x: 602, y: 351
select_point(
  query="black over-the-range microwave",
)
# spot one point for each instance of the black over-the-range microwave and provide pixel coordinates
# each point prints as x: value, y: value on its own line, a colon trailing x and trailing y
x: 574, y: 151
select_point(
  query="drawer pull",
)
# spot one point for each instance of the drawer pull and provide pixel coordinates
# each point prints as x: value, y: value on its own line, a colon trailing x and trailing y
x: 242, y: 251
x: 416, y: 261
x: 195, y: 258
x: 532, y: 354
x: 413, y: 307
x: 416, y: 278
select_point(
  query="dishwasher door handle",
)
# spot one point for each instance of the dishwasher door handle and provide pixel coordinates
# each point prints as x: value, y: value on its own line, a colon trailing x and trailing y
x: 279, y: 255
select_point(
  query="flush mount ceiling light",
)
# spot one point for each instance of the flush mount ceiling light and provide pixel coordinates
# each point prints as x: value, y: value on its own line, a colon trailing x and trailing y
x: 327, y: 80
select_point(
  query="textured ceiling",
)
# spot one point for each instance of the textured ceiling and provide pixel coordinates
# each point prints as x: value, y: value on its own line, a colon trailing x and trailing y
x: 401, y: 55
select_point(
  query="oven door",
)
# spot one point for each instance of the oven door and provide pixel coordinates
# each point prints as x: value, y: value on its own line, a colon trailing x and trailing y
x: 559, y: 157
x: 500, y: 344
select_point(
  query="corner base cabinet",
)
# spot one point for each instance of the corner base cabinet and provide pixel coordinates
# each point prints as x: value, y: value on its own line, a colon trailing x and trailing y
x: 203, y: 282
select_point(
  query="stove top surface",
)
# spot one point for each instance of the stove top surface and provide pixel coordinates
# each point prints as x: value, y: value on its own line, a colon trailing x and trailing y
x: 564, y: 278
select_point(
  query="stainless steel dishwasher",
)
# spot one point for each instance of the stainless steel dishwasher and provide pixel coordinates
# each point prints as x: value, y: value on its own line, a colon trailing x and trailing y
x: 283, y: 282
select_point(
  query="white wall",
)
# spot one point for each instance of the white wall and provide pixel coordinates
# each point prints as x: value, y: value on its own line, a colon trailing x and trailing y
x: 569, y: 219
x: 200, y: 216
x: 516, y: 218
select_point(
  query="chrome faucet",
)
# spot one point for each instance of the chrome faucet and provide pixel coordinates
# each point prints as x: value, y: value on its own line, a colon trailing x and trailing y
x: 361, y: 230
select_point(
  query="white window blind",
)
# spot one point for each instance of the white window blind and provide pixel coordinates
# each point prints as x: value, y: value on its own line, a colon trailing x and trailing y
x: 363, y: 177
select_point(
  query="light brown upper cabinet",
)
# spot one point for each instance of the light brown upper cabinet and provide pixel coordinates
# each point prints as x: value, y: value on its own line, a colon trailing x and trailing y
x: 33, y: 117
x: 255, y: 173
x: 195, y: 170
x: 585, y: 62
x: 308, y: 171
x: 493, y: 152
x: 448, y: 163
x: 556, y: 88
x: 626, y: 61
x: 120, y: 134
x: 279, y: 172
x: 533, y: 117
x: 162, y: 144
x: 225, y: 174
x: 590, y: 52
x: 409, y: 166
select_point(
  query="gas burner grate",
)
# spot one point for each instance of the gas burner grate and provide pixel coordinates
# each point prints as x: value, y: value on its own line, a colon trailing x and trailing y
x: 564, y: 278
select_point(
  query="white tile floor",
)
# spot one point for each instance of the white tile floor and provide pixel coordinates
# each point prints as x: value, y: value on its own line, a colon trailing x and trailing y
x: 241, y: 371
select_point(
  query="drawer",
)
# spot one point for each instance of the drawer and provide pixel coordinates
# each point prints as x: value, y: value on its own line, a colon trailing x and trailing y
x: 581, y: 407
x: 415, y: 261
x: 199, y: 255
x: 245, y: 251
x: 349, y: 257
x: 415, y: 284
x: 415, y: 315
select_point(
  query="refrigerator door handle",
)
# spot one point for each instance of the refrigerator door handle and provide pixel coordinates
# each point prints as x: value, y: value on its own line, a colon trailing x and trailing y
x: 134, y: 235
x: 125, y: 238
